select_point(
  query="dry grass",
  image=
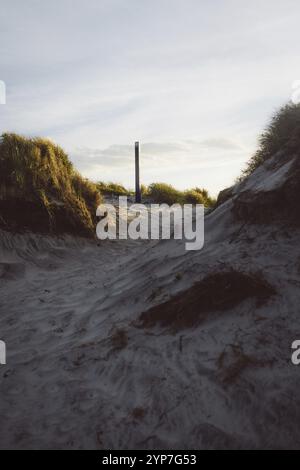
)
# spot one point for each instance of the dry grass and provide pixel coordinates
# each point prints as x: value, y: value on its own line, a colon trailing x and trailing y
x: 281, y: 134
x: 40, y: 190
x: 113, y: 189
x: 166, y: 193
x: 215, y: 293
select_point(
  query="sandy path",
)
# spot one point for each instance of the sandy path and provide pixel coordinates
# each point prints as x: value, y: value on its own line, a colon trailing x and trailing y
x: 80, y: 375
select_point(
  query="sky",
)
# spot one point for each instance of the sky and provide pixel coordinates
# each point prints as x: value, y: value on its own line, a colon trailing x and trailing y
x: 195, y: 81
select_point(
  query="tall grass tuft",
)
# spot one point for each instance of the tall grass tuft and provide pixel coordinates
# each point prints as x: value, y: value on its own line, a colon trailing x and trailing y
x: 113, y: 189
x: 282, y: 133
x: 163, y: 193
x: 166, y: 193
x: 40, y: 189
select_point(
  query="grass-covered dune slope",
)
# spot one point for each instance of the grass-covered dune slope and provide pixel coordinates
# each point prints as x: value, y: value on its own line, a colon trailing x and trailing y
x: 282, y: 134
x: 41, y: 191
x: 280, y: 141
x: 278, y: 156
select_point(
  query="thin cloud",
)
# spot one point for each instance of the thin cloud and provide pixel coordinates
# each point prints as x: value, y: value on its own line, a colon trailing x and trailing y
x: 195, y: 87
x: 219, y: 143
x: 191, y: 153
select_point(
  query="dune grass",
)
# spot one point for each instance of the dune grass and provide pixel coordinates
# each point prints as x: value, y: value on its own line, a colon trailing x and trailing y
x: 40, y: 189
x: 113, y: 189
x: 281, y: 134
x: 166, y: 193
x: 160, y: 193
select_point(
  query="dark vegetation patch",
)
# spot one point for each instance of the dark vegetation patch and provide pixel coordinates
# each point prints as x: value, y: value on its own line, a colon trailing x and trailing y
x: 160, y: 193
x: 119, y: 339
x: 138, y: 413
x: 215, y: 293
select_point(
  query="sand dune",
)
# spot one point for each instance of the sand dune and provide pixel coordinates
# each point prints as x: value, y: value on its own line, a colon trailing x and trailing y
x: 81, y: 374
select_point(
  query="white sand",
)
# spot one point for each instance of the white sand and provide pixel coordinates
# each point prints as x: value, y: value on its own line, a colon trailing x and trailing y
x: 69, y: 383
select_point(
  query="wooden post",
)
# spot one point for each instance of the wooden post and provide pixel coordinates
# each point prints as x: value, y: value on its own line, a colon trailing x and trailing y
x: 137, y: 173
